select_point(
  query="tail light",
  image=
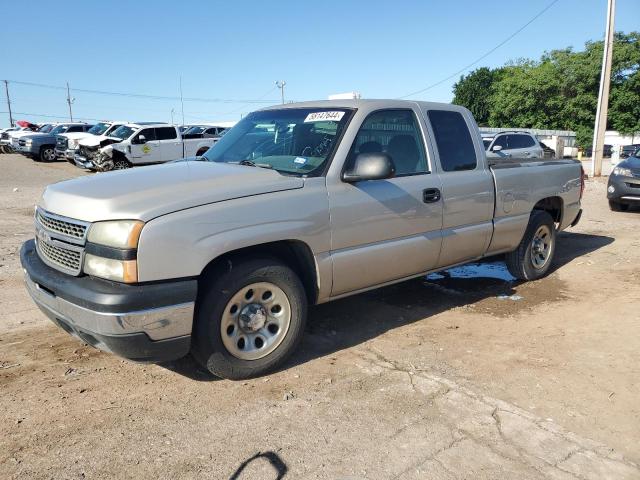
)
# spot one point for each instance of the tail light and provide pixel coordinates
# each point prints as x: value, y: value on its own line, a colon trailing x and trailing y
x: 582, y: 177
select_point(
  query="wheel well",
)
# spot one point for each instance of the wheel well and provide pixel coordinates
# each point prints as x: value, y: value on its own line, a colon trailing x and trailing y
x: 294, y: 253
x: 553, y: 206
x: 201, y: 151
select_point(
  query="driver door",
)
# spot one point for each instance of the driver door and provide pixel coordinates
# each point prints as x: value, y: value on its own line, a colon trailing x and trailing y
x: 385, y: 230
x: 145, y: 150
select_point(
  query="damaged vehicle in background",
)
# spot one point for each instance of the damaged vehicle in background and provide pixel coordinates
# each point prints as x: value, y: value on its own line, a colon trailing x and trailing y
x: 67, y: 144
x: 141, y: 143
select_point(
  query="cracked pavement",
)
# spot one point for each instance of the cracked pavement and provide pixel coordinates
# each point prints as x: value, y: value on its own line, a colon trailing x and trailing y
x: 441, y: 379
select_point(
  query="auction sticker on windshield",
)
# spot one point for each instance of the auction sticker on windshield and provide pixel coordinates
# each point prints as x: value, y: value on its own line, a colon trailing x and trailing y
x: 335, y: 116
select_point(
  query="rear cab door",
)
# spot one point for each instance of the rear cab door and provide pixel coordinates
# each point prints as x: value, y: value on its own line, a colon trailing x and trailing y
x: 467, y: 184
x: 170, y: 143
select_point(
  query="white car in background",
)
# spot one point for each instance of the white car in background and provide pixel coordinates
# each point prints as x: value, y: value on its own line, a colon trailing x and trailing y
x: 513, y: 144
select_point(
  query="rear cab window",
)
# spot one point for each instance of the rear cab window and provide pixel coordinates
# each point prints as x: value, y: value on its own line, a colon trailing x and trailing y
x: 453, y: 140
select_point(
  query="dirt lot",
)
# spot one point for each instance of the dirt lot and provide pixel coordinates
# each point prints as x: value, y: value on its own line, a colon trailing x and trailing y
x: 444, y: 377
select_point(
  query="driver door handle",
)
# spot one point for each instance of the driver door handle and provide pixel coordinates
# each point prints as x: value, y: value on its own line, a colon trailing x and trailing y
x: 431, y: 195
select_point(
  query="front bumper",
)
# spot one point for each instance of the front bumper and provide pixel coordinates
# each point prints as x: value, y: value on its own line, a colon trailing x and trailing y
x: 145, y: 323
x: 83, y: 162
x: 626, y: 189
x: 61, y: 152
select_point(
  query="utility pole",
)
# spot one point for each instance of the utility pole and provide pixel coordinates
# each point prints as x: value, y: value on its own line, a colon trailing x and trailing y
x: 603, y: 94
x: 6, y: 89
x: 280, y: 84
x: 70, y: 101
x: 181, y: 100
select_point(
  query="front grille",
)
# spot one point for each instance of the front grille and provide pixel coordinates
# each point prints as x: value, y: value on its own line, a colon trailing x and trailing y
x: 633, y: 185
x: 5, y: 136
x: 62, y: 142
x: 65, y: 227
x: 69, y: 260
x: 22, y: 143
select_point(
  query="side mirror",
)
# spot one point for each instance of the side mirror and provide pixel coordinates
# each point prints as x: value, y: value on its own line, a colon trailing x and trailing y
x: 370, y: 166
x: 496, y: 148
x: 142, y: 139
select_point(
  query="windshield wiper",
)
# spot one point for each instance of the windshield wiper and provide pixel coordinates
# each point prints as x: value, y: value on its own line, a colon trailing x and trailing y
x: 251, y: 163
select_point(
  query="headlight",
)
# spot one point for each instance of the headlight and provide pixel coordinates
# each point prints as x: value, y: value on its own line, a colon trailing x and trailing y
x: 625, y: 172
x: 28, y: 142
x: 117, y: 234
x: 111, y: 269
x: 73, y: 143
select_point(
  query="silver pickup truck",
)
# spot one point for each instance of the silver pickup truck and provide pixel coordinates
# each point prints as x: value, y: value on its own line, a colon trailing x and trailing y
x: 296, y: 205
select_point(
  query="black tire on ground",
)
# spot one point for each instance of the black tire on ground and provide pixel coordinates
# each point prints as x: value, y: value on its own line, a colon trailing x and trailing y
x: 47, y: 154
x: 526, y: 262
x: 218, y: 290
x: 618, y: 207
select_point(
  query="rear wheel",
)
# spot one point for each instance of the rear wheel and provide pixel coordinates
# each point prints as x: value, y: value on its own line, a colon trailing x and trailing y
x: 534, y: 256
x: 617, y: 206
x: 249, y: 319
x: 47, y: 154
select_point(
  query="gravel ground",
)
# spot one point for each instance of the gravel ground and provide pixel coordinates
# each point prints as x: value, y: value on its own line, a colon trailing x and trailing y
x: 443, y: 377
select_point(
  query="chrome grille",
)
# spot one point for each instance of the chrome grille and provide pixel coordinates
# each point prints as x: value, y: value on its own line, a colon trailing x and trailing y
x: 65, y: 227
x: 65, y: 259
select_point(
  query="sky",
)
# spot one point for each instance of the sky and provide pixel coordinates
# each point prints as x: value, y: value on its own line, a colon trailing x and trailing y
x: 235, y: 51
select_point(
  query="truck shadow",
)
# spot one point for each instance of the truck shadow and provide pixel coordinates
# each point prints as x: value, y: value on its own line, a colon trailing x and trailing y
x: 354, y: 320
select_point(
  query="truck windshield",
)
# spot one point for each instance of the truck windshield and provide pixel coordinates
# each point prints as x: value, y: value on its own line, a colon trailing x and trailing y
x: 295, y: 141
x: 194, y: 131
x: 59, y: 129
x: 122, y: 132
x: 98, y: 128
x: 45, y: 128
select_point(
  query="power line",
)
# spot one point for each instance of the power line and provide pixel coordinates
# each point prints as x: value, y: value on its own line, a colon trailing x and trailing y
x: 539, y: 14
x: 142, y: 95
x: 44, y: 115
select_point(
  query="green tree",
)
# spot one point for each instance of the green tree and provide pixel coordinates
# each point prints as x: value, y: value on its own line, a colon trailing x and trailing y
x: 474, y: 92
x: 558, y: 91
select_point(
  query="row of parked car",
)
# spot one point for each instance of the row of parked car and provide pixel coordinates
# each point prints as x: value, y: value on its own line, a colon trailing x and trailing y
x: 111, y: 145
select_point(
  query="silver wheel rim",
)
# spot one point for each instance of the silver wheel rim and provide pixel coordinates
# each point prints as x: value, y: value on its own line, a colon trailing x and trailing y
x: 541, y: 247
x: 255, y: 321
x: 49, y: 154
x: 120, y: 166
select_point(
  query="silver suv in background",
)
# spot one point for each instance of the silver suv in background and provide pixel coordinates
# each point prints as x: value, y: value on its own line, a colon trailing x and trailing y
x: 513, y: 144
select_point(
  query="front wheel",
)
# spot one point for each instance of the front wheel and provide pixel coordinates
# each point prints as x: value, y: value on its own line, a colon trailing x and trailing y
x: 249, y: 319
x: 47, y: 154
x: 121, y: 164
x: 534, y: 256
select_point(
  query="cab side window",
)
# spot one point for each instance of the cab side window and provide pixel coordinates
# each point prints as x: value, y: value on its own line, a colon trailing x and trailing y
x: 453, y: 140
x: 166, y: 133
x: 149, y: 135
x: 395, y: 132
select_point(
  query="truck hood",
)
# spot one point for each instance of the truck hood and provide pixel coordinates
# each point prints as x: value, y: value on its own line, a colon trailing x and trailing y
x: 25, y: 133
x: 147, y: 192
x: 96, y: 140
x: 76, y: 135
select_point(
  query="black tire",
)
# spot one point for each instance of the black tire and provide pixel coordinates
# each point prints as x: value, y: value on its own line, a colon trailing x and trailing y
x: 218, y: 290
x: 47, y: 154
x: 618, y: 207
x: 520, y: 262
